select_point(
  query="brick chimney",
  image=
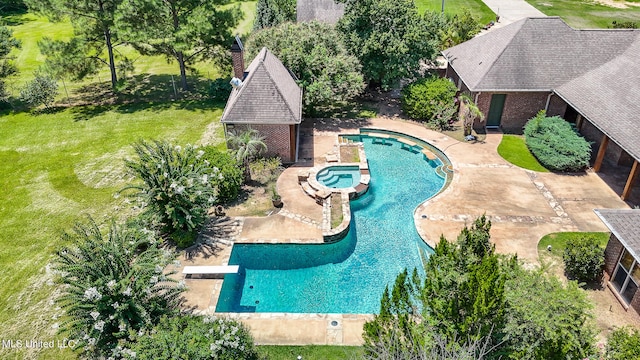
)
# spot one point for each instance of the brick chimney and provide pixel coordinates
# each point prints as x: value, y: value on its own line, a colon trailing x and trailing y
x: 237, y: 56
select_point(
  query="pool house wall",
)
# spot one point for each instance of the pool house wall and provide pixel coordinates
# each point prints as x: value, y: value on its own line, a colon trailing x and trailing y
x: 280, y: 139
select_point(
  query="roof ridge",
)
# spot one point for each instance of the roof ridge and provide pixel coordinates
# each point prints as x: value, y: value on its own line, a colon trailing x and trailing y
x: 277, y: 83
x: 514, y: 34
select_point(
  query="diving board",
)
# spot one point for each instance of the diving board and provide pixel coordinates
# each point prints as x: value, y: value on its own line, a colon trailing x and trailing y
x: 211, y: 270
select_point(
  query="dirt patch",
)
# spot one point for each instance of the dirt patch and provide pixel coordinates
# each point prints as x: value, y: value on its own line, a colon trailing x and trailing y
x: 349, y: 154
x: 607, y: 311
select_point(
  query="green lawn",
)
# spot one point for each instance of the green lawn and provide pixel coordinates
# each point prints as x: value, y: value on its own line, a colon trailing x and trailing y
x: 513, y: 149
x: 55, y: 168
x: 311, y: 352
x: 559, y: 240
x: 584, y: 14
x: 30, y: 28
x: 477, y: 8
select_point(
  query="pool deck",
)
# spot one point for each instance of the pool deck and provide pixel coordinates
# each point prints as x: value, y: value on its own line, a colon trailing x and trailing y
x: 522, y: 205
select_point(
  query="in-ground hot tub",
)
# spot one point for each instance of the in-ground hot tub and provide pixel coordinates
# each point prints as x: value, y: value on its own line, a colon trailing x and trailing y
x: 339, y: 177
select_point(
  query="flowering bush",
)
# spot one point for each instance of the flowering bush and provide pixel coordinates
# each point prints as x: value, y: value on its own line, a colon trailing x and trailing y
x: 113, y: 287
x: 194, y: 338
x: 178, y: 184
x: 232, y: 175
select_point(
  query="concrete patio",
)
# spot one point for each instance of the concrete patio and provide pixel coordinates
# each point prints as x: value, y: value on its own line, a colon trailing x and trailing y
x: 522, y: 205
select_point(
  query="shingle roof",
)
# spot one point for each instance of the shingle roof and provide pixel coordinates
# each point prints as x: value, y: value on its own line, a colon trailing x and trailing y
x: 268, y: 95
x: 327, y: 11
x: 534, y: 54
x: 609, y: 97
x: 625, y: 225
x: 595, y: 71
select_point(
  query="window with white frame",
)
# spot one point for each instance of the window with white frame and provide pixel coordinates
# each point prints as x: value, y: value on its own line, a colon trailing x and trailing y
x: 626, y: 277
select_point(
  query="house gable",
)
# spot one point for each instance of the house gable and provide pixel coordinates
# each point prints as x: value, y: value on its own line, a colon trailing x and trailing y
x: 269, y: 94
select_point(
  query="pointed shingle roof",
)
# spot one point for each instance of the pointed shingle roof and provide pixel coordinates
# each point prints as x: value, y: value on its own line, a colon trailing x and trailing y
x: 269, y: 94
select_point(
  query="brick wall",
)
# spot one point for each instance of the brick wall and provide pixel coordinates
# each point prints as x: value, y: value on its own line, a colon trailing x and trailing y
x: 611, y: 254
x: 277, y: 139
x: 614, y: 155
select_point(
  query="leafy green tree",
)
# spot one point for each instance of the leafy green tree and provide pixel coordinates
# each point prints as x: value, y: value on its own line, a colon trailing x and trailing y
x: 389, y: 38
x: 195, y: 338
x: 316, y: 54
x: 556, y: 144
x: 177, y: 184
x: 113, y: 286
x: 463, y: 290
x: 42, y: 90
x: 583, y: 258
x: 9, y: 6
x: 230, y: 182
x: 185, y: 31
x: 247, y: 145
x: 7, y: 43
x: 623, y: 344
x: 426, y: 98
x: 545, y: 319
x: 93, y: 25
x: 451, y: 30
x: 271, y: 13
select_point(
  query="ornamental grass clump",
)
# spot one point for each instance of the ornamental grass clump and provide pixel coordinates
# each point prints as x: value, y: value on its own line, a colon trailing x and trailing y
x: 178, y: 185
x: 555, y: 143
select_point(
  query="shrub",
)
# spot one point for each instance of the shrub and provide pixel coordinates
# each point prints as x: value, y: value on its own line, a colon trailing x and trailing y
x: 113, y: 286
x: 583, y: 258
x: 623, y: 344
x: 40, y: 91
x: 422, y: 99
x: 178, y: 186
x: 195, y: 338
x: 232, y: 175
x: 220, y: 88
x: 556, y: 144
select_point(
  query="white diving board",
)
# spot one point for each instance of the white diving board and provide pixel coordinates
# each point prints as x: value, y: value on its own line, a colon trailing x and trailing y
x: 211, y: 270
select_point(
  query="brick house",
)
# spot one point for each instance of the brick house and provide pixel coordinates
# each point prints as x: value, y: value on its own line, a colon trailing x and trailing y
x: 266, y: 98
x: 588, y: 77
x: 622, y: 255
x: 327, y: 11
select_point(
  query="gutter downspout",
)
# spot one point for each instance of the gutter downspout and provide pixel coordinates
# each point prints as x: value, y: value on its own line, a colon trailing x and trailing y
x: 475, y: 101
x: 546, y: 106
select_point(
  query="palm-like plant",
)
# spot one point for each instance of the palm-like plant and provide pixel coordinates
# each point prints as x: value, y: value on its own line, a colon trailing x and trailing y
x: 247, y: 145
x: 113, y: 285
x: 469, y: 112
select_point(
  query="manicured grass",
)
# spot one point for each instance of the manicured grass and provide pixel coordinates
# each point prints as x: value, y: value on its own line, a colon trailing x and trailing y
x: 311, y: 352
x: 513, y: 149
x: 587, y: 14
x: 452, y: 7
x: 559, y: 240
x: 54, y: 169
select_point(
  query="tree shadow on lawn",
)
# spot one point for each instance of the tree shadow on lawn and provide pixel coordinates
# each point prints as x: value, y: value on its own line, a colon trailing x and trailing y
x: 144, y: 92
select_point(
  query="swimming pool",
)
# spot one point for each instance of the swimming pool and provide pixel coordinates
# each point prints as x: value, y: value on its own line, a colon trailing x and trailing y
x: 350, y: 275
x: 339, y: 177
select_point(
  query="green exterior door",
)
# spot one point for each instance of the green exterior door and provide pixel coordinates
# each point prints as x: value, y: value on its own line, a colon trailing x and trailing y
x: 495, y: 110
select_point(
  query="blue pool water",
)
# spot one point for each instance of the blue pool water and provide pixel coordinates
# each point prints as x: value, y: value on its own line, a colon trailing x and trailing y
x: 339, y: 177
x: 350, y: 275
